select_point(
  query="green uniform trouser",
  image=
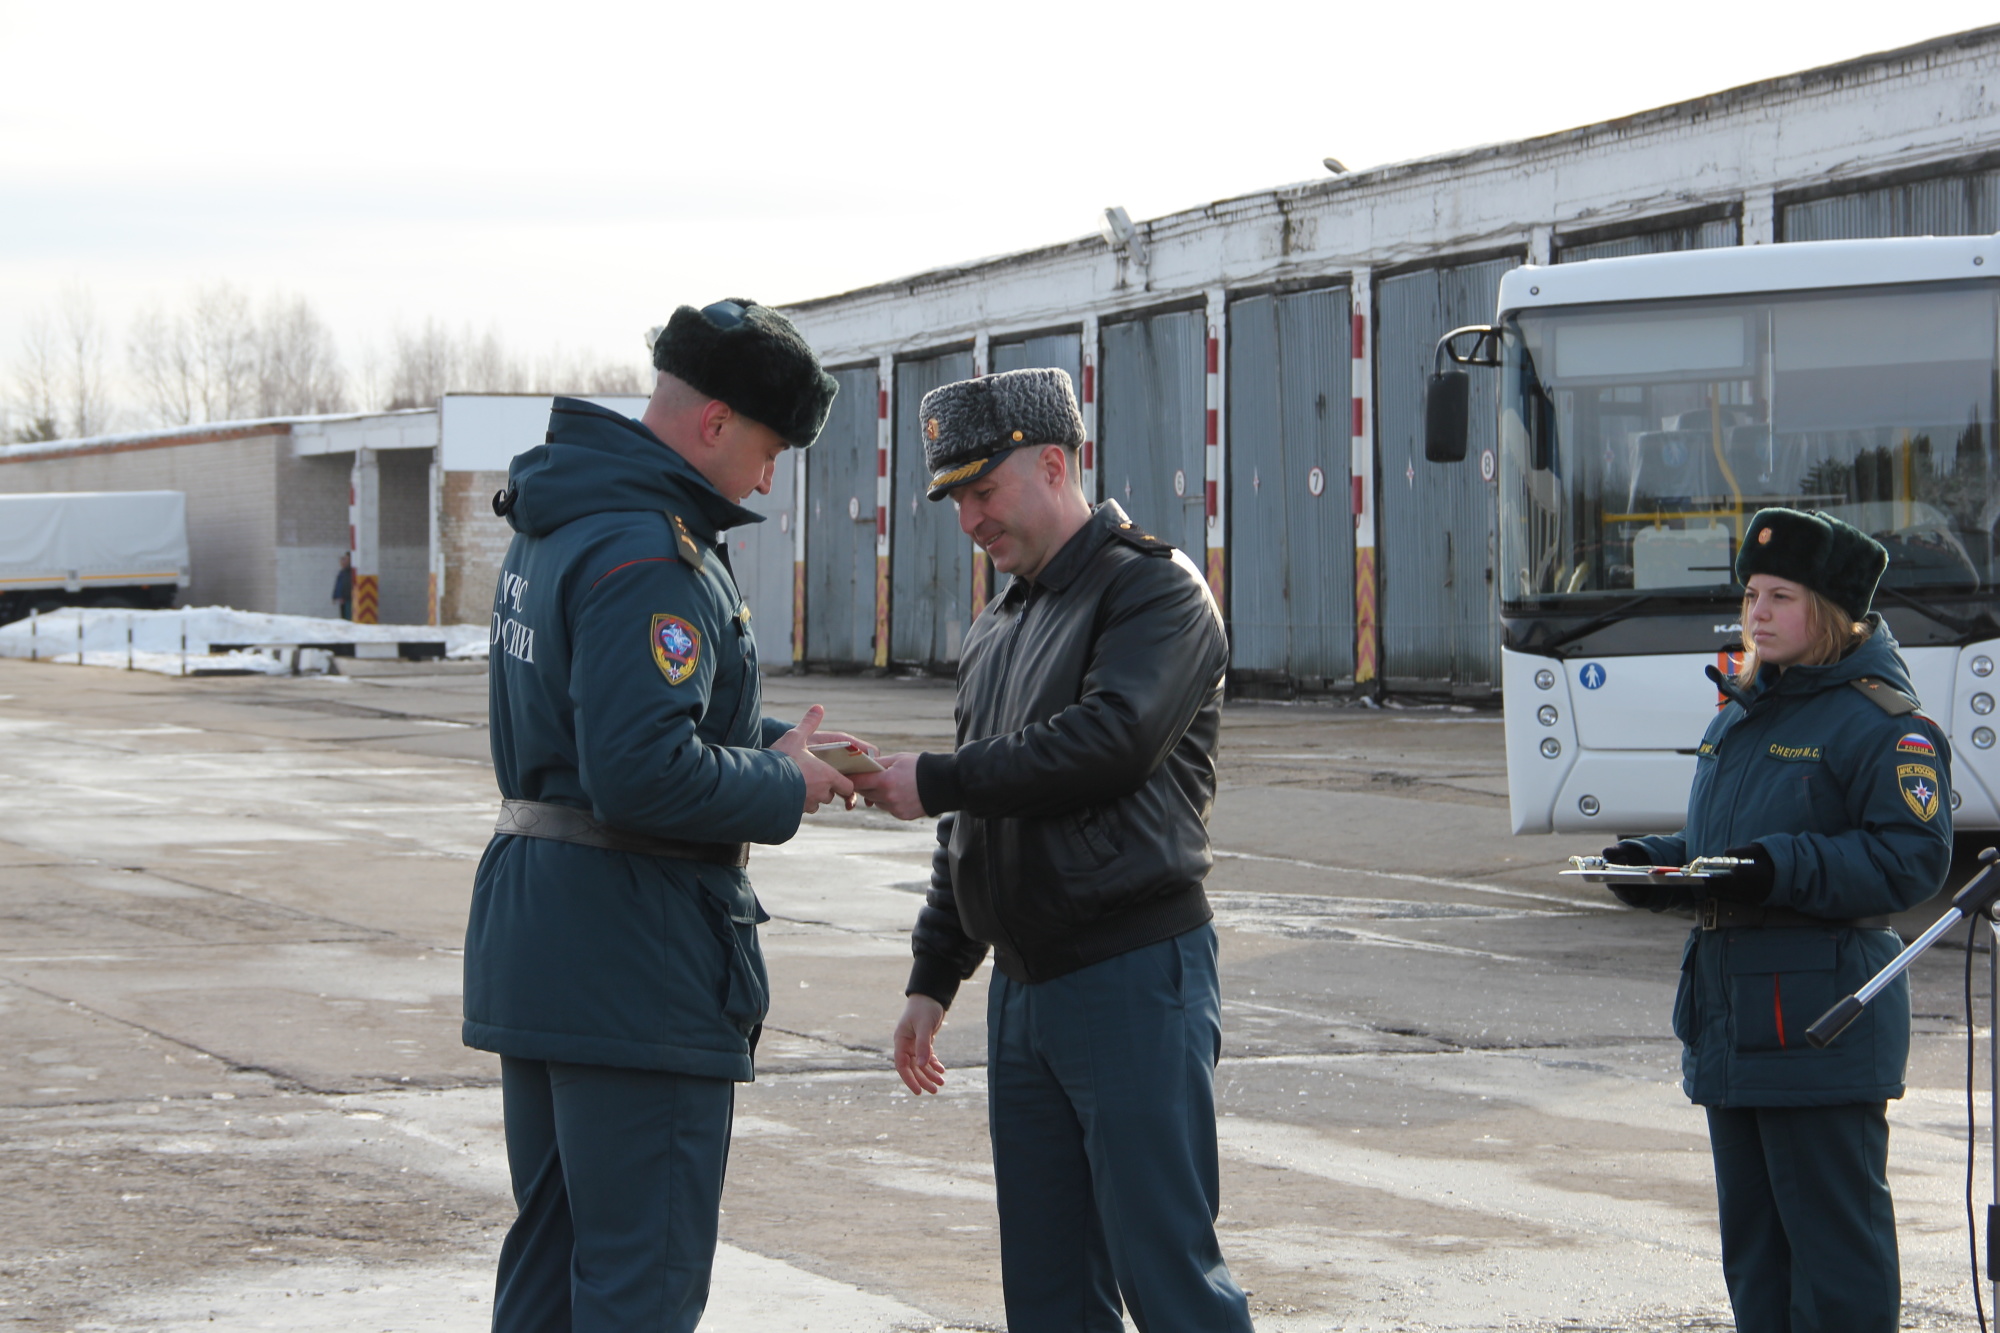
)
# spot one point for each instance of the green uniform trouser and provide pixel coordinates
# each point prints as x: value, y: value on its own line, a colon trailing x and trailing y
x: 1808, y: 1228
x: 618, y: 1176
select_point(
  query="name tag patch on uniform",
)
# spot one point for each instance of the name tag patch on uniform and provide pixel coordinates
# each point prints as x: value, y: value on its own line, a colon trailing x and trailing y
x: 1920, y: 788
x: 1917, y: 743
x: 676, y: 648
x: 1796, y: 754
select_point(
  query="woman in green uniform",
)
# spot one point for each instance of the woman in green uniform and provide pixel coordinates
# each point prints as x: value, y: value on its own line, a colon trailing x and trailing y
x: 1821, y: 774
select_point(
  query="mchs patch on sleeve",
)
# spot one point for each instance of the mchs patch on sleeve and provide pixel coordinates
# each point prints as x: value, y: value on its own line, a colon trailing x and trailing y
x: 676, y: 648
x: 1919, y: 785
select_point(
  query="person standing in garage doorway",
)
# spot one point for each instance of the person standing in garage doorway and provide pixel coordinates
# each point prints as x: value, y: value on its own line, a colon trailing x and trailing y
x: 343, y: 587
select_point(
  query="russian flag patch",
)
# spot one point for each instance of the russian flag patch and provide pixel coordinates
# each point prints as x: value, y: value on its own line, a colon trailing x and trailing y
x: 1916, y: 743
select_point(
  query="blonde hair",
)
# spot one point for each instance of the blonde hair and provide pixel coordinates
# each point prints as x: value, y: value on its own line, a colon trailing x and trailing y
x: 1833, y: 634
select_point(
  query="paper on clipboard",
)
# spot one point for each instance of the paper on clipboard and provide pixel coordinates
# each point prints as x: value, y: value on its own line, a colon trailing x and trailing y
x: 844, y: 759
x: 1596, y: 870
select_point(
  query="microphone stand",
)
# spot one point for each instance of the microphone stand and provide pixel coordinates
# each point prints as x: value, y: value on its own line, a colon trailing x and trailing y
x: 1977, y: 898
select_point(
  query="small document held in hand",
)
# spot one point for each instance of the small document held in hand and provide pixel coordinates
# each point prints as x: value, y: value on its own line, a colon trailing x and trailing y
x: 844, y: 759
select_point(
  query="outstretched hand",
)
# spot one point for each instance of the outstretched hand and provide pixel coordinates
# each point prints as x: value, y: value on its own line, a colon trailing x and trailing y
x: 916, y: 1054
x: 823, y: 785
x: 893, y: 789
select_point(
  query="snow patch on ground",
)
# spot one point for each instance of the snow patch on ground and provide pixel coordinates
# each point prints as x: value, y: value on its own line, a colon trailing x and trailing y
x: 206, y: 640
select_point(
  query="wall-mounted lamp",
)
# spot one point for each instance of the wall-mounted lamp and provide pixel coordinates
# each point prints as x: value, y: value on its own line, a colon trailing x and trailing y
x: 1122, y: 236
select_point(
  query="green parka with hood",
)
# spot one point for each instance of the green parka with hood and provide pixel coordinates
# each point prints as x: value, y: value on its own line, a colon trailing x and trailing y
x: 623, y: 682
x: 1850, y: 794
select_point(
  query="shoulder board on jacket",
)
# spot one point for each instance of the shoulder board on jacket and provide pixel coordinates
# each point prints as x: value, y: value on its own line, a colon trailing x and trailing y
x: 684, y: 542
x: 1885, y: 697
x: 1140, y: 540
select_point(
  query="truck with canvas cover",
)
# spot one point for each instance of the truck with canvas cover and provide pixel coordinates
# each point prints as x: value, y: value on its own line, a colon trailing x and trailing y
x: 91, y: 548
x: 1648, y: 407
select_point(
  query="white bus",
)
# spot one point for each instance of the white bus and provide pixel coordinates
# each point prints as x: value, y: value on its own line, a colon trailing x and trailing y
x: 1648, y: 407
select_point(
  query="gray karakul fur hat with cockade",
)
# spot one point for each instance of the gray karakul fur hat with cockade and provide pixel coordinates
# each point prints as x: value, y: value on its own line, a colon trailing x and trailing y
x: 1835, y: 559
x: 972, y: 425
x: 752, y: 358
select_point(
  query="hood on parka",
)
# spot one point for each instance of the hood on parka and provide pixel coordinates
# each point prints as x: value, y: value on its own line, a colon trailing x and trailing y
x: 597, y: 461
x: 1875, y: 658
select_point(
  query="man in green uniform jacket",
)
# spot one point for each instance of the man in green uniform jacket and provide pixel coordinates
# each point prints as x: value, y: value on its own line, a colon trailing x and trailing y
x: 611, y: 957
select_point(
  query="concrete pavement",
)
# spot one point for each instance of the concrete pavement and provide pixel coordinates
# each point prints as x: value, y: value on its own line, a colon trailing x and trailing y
x: 232, y: 1093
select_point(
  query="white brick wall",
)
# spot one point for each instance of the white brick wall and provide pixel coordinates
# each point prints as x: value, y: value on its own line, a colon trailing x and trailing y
x: 231, y: 489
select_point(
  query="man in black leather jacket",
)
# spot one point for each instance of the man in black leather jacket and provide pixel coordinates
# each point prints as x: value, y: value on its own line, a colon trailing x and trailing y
x: 1073, y: 840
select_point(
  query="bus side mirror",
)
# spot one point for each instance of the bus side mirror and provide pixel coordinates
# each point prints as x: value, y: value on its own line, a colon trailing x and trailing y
x: 1447, y: 407
x: 1448, y: 396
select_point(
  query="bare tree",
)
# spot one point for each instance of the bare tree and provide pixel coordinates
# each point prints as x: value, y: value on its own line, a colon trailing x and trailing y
x: 298, y: 369
x: 432, y: 362
x: 82, y: 363
x: 59, y: 382
x: 421, y: 366
x: 485, y: 366
x: 559, y: 373
x: 204, y: 364
x: 37, y: 386
x: 161, y: 363
x: 222, y: 342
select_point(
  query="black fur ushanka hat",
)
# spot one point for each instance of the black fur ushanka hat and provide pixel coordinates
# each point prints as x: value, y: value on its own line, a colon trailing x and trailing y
x: 752, y: 358
x: 1833, y: 558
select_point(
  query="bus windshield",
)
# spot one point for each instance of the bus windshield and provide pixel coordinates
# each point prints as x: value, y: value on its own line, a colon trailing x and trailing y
x: 1636, y: 441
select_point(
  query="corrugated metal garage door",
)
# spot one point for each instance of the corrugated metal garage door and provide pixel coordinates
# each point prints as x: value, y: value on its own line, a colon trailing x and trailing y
x: 1291, y: 523
x: 1956, y: 205
x: 1063, y: 351
x: 840, y: 527
x: 760, y: 556
x: 1152, y: 408
x: 1440, y: 607
x: 930, y: 572
x: 1710, y: 235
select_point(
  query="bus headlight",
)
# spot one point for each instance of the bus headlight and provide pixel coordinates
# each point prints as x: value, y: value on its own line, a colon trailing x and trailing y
x: 1547, y: 714
x: 1545, y: 679
x: 1982, y: 704
x: 1982, y: 666
x: 1589, y: 805
x: 1983, y: 738
x: 1551, y: 747
x: 1955, y: 798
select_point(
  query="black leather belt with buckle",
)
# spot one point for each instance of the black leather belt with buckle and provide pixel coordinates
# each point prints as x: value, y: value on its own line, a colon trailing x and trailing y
x: 1719, y: 915
x: 566, y: 823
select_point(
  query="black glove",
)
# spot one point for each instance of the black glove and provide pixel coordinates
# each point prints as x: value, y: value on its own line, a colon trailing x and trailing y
x: 1750, y: 884
x: 1632, y: 895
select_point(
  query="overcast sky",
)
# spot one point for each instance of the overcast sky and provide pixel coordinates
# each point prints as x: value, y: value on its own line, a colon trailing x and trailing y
x: 566, y: 174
